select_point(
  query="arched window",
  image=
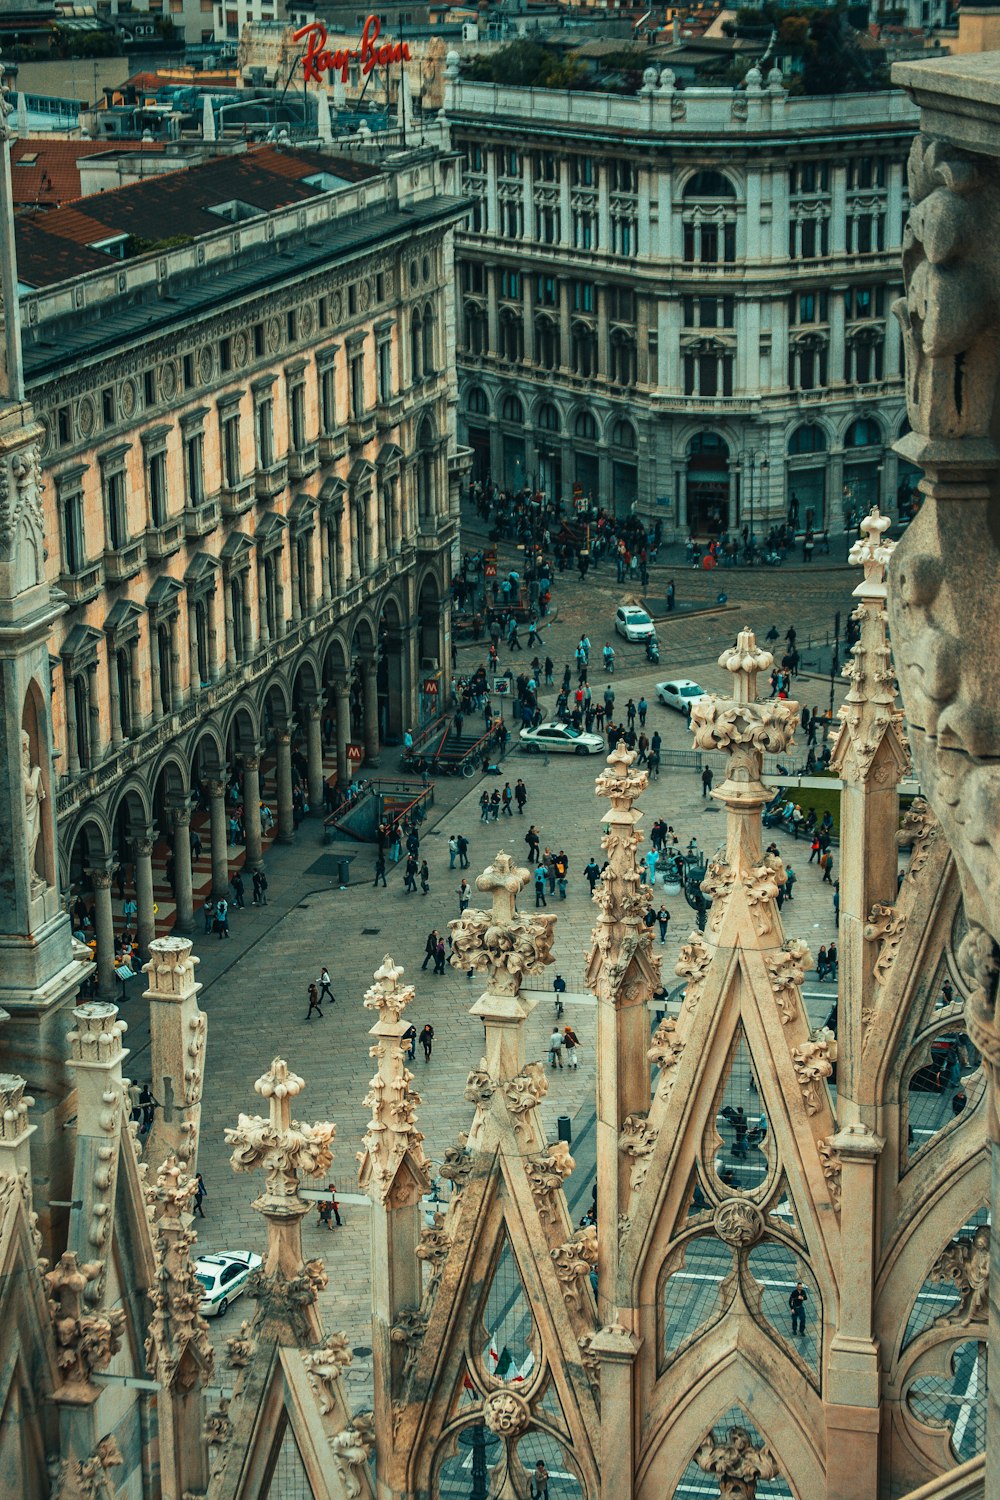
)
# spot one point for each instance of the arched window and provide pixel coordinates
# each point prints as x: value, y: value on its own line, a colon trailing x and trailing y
x: 425, y: 471
x: 864, y: 433
x: 622, y: 358
x: 511, y: 410
x: 429, y: 363
x: 475, y: 401
x: 476, y: 328
x: 710, y: 443
x: 585, y: 427
x: 511, y: 336
x: 547, y: 351
x: 623, y: 435
x: 584, y: 349
x: 809, y: 438
x: 709, y: 184
x: 548, y: 417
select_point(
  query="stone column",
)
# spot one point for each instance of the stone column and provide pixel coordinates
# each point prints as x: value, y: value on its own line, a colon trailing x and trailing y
x: 107, y: 983
x: 154, y: 673
x: 264, y: 631
x: 176, y: 691
x: 135, y: 684
x: 251, y: 810
x: 96, y: 747
x: 343, y: 695
x: 314, y: 756
x: 852, y: 1405
x: 177, y: 1032
x: 286, y: 821
x: 326, y: 586
x: 293, y: 564
x: 372, y: 744
x: 72, y: 743
x: 230, y: 626
x: 183, y: 878
x: 116, y: 708
x: 220, y: 847
x: 146, y: 926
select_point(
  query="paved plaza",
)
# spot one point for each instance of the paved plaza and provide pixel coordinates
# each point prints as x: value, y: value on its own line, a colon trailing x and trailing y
x: 255, y: 985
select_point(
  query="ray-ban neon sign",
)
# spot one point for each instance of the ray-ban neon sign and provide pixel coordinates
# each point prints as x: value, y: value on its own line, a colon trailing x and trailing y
x: 318, y: 59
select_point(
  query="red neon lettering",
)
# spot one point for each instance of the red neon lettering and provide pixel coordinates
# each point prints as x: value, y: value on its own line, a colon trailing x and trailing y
x: 318, y: 59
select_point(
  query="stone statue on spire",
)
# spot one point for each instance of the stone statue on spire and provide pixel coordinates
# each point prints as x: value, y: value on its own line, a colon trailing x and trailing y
x: 392, y: 1137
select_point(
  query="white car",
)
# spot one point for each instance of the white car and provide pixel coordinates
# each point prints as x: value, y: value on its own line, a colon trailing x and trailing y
x: 557, y: 736
x: 633, y: 623
x: 679, y: 693
x: 223, y: 1277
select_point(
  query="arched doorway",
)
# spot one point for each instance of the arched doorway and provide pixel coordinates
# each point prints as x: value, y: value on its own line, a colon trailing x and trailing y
x: 862, y: 467
x: 430, y: 650
x: 364, y: 692
x: 708, y: 483
x: 391, y: 679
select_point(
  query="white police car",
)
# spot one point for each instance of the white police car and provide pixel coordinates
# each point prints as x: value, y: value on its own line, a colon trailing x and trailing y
x: 223, y: 1277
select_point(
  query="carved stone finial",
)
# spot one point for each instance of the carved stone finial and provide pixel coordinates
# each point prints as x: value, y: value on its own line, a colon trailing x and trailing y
x: 737, y: 1463
x: 621, y: 965
x: 392, y: 1137
x: 85, y: 1341
x: 283, y: 1148
x: 96, y: 1039
x: 178, y: 1347
x: 743, y: 728
x: 14, y: 1106
x: 507, y: 943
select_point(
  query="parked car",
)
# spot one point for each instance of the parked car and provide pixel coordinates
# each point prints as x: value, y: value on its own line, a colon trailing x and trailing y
x: 556, y: 736
x: 633, y: 623
x: 679, y: 693
x: 223, y: 1277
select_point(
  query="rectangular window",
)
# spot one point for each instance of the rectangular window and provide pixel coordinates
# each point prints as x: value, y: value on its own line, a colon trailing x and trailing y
x: 384, y: 370
x: 380, y: 286
x: 108, y: 406
x: 194, y: 468
x: 358, y: 386
x: 547, y: 292
x: 188, y: 364
x: 292, y: 325
x: 510, y: 285
x: 157, y: 481
x: 114, y: 501
x: 225, y: 355
x: 74, y: 548
x: 584, y: 296
x: 297, y: 408
x: 64, y: 424
x: 324, y: 312
x: 653, y: 347
x: 352, y: 300
x: 231, y: 467
x: 149, y: 388
x: 264, y: 423
x: 328, y: 399
x: 583, y: 171
x: 621, y: 304
x: 258, y: 340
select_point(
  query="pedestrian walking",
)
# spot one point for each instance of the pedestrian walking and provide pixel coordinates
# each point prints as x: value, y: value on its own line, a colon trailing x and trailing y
x: 484, y: 807
x: 561, y: 863
x: 222, y: 918
x: 440, y: 953
x: 592, y: 871
x: 464, y: 896
x: 425, y: 878
x: 452, y: 851
x: 652, y: 856
x: 379, y: 869
x: 789, y: 886
x: 663, y: 917
x: 410, y: 1042
x: 797, y: 1302
x: 239, y: 890
x: 430, y: 947
x: 335, y: 1206
x: 314, y: 1004
x: 520, y: 794
x: 555, y: 1049
x: 507, y: 799
x: 836, y: 900
x: 200, y: 1194
x: 463, y: 852
x: 531, y: 839
x: 427, y: 1041
x: 540, y: 874
x: 208, y: 912
x: 540, y: 1482
x: 260, y: 886
x: 826, y: 861
x: 410, y: 874
x: 325, y: 1212
x: 643, y: 708
x: 559, y: 986
x: 570, y: 1042
x: 706, y: 781
x: 325, y: 992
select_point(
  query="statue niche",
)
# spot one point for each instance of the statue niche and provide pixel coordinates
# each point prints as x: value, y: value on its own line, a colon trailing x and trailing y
x: 34, y: 788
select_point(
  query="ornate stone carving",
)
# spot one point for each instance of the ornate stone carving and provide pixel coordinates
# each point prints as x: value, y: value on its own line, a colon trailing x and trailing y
x: 456, y: 1167
x: 34, y: 796
x: 693, y: 963
x: 240, y: 1346
x: 786, y: 968
x: 739, y: 1222
x: 885, y: 926
x: 97, y: 1035
x: 479, y: 1086
x: 287, y: 1295
x: 87, y: 1478
x: 966, y: 1263
x: 433, y: 1249
x: 324, y: 1366
x: 392, y: 1136
x: 620, y: 934
x: 829, y: 1160
x: 590, y: 1361
x: 14, y: 1106
x: 813, y: 1066
x: 737, y: 1463
x: 506, y: 1413
x: 176, y: 1326
x: 546, y: 1172
x: 523, y: 1093
x: 218, y: 1428
x: 637, y: 1140
x: 281, y: 1146
x: 171, y: 966
x: 85, y: 1341
x: 762, y: 885
x: 351, y: 1451
x: 718, y: 885
x: 918, y: 833
x: 407, y: 1333
x: 507, y: 943
x: 574, y: 1260
x: 665, y: 1053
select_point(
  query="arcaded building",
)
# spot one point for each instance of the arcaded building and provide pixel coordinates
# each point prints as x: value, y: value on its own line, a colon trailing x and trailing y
x: 250, y: 492
x: 682, y: 300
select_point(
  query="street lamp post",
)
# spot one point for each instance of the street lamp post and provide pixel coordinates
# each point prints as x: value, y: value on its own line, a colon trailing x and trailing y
x: 747, y: 461
x: 691, y: 868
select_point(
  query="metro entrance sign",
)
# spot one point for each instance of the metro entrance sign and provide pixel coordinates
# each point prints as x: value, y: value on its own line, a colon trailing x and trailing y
x: 318, y: 59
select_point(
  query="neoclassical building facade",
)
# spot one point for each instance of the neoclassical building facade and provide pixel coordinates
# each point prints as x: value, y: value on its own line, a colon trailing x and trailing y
x: 250, y: 507
x: 683, y: 300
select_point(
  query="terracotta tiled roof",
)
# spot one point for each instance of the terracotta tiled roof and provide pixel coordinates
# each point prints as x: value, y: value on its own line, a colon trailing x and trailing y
x: 53, y: 176
x: 172, y: 204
